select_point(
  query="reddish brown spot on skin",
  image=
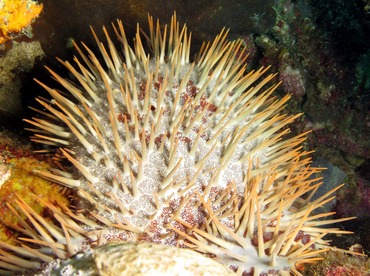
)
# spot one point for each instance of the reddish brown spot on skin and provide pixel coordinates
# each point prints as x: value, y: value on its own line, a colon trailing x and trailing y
x: 166, y: 216
x: 302, y: 237
x: 191, y: 90
x: 141, y: 118
x: 153, y: 227
x: 191, y: 215
x: 204, y: 103
x: 204, y: 136
x: 268, y: 236
x: 144, y: 238
x: 233, y: 268
x: 187, y: 140
x: 250, y: 273
x: 158, y: 139
x: 121, y: 236
x: 179, y: 226
x: 184, y: 97
x: 182, y: 138
x: 157, y: 85
x: 142, y: 86
x: 299, y: 236
x: 141, y: 94
x: 306, y: 239
x: 147, y: 137
x: 121, y: 117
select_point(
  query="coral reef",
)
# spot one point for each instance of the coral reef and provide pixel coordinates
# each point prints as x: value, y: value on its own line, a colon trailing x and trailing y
x: 308, y: 37
x: 337, y: 263
x: 345, y: 24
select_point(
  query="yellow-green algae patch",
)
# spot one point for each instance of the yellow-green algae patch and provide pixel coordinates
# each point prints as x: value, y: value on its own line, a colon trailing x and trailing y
x: 18, y: 179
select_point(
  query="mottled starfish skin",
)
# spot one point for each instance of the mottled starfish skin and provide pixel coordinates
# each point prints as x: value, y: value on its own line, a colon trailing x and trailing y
x: 137, y: 189
x: 184, y: 153
x: 159, y: 135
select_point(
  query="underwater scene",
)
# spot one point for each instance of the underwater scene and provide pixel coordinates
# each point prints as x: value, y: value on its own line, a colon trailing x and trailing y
x: 185, y: 137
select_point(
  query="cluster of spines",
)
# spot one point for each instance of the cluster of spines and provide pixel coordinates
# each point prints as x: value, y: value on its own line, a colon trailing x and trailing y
x: 42, y: 239
x: 217, y: 61
x: 219, y: 64
x: 258, y: 220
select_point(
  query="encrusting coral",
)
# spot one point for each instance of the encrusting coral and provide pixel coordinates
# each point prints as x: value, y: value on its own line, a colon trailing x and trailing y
x: 15, y: 16
x: 165, y: 150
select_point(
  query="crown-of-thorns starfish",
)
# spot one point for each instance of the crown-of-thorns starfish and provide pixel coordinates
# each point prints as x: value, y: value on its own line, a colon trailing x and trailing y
x: 190, y: 154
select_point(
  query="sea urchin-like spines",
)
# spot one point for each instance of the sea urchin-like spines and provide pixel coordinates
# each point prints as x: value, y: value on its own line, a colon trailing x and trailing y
x: 161, y: 113
x: 187, y: 154
x: 278, y: 245
x: 270, y: 228
x: 43, y: 239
